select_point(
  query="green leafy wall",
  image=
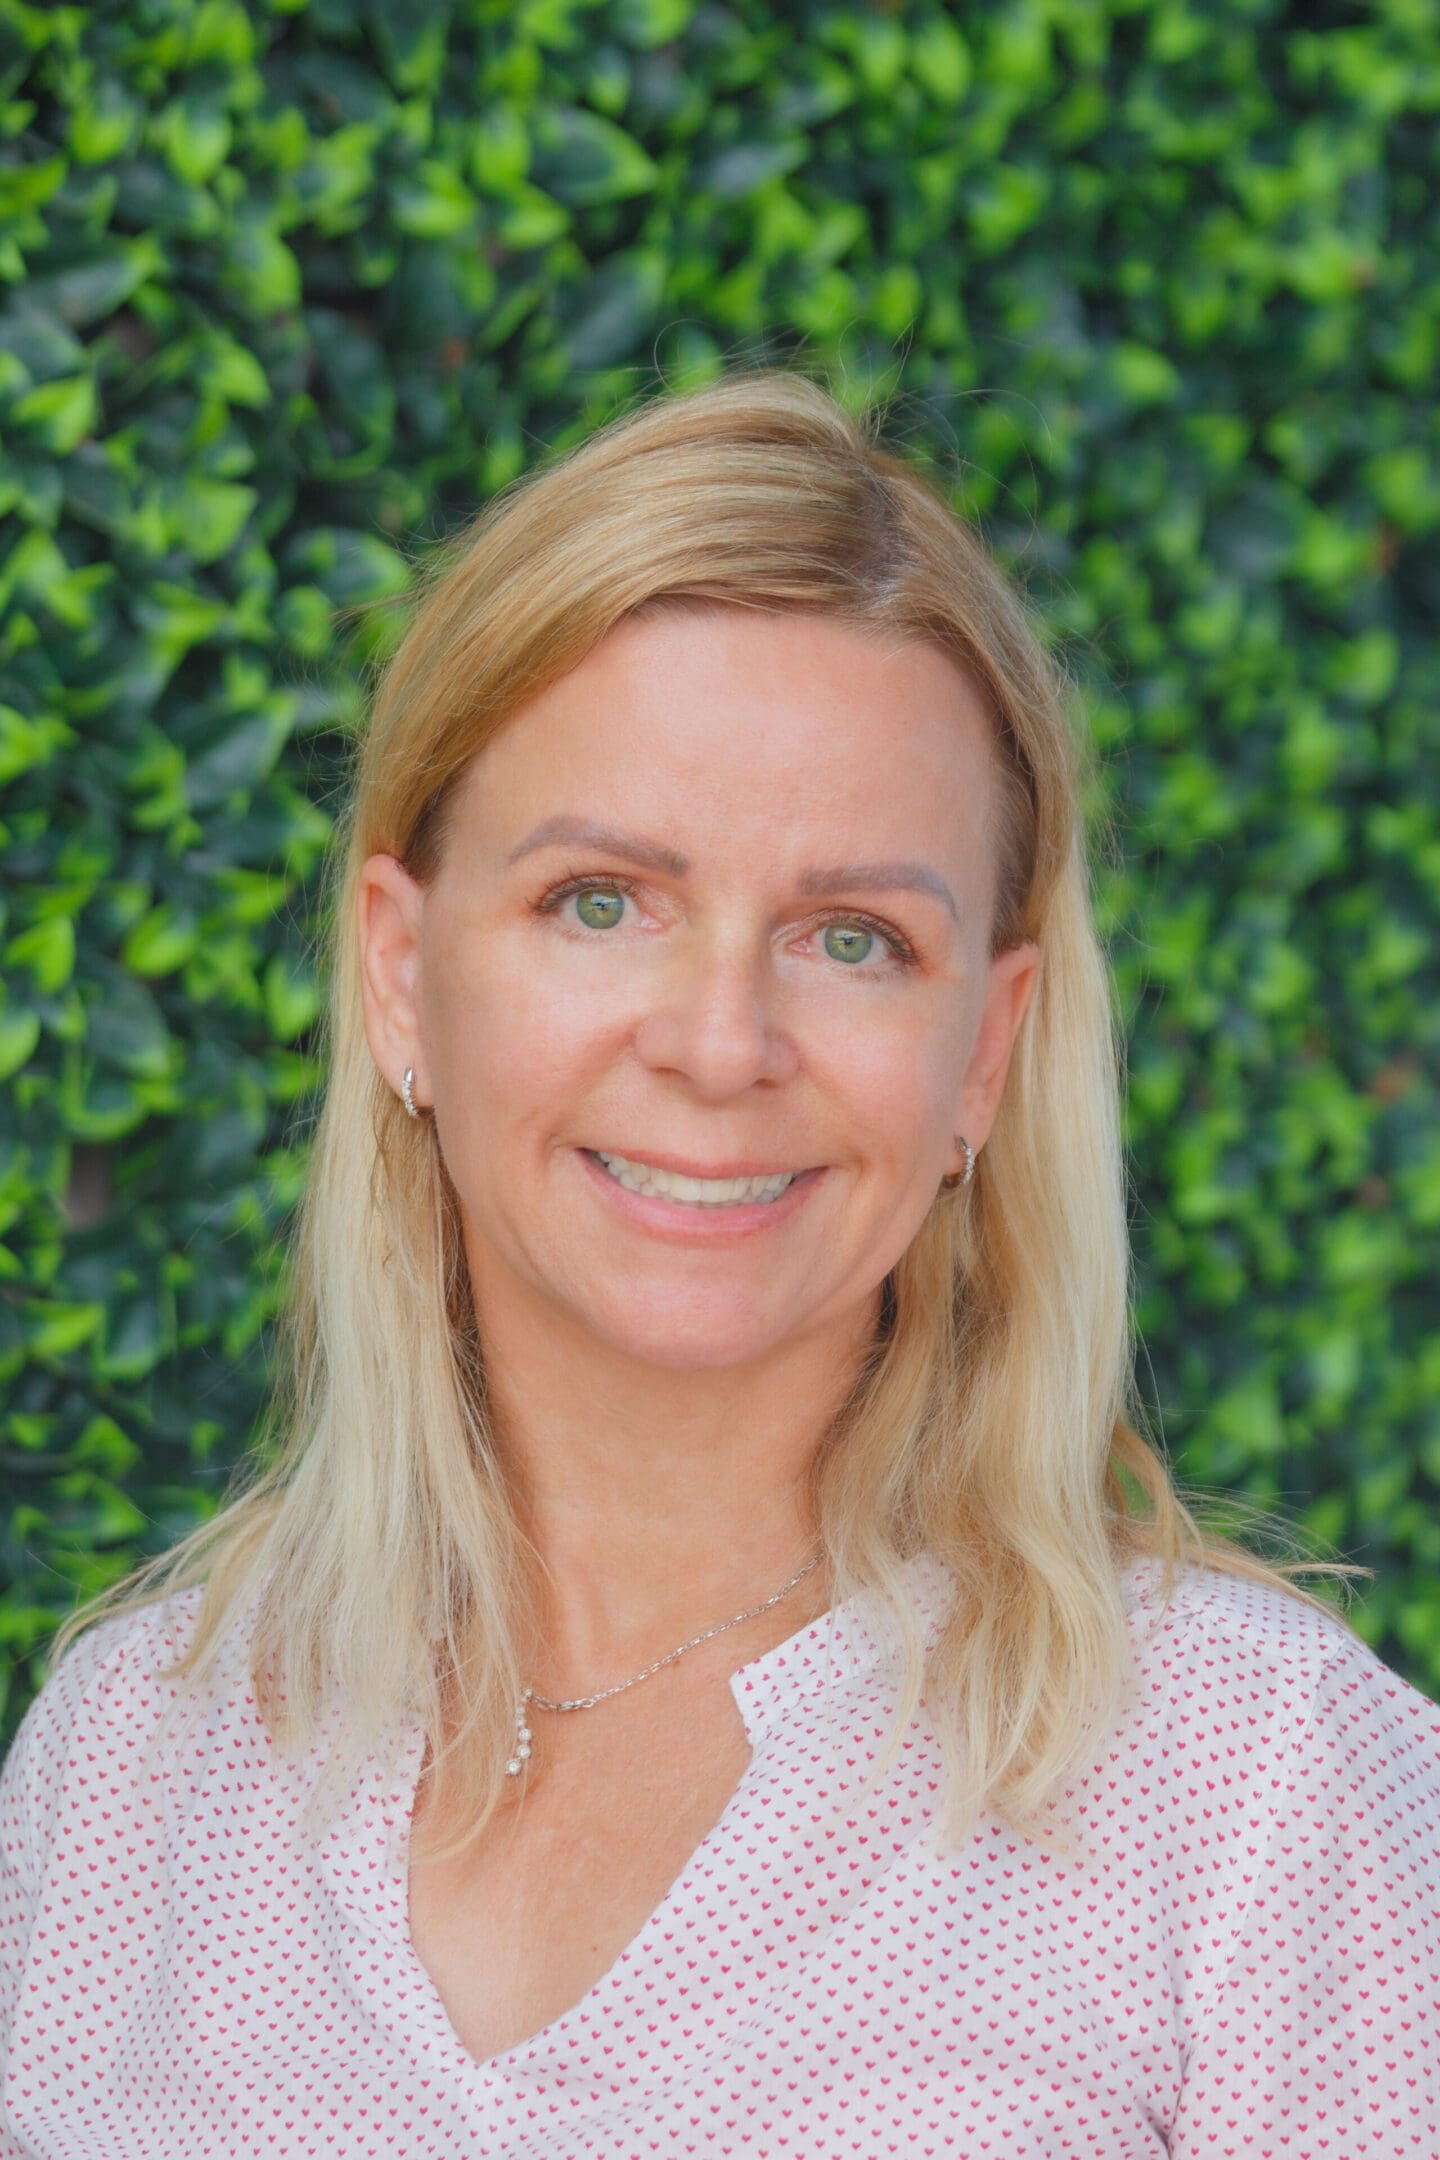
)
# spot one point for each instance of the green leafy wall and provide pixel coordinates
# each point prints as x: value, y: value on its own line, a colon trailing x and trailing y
x: 290, y: 289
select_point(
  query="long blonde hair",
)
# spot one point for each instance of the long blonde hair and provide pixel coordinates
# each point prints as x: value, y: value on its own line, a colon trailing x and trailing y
x: 372, y: 1535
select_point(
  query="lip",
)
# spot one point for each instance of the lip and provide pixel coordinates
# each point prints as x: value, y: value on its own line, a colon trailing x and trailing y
x: 680, y: 1224
x: 675, y: 1164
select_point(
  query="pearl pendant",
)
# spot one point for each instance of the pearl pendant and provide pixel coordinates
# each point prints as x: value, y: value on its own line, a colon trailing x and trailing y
x: 521, y: 1755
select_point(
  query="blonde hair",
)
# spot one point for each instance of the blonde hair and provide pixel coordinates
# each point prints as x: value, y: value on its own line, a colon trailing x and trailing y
x: 372, y: 1532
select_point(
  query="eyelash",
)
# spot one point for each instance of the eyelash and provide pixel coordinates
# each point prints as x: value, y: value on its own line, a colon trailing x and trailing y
x: 901, y: 950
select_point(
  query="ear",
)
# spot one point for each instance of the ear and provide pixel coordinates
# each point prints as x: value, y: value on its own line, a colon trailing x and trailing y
x: 389, y: 906
x: 1013, y: 976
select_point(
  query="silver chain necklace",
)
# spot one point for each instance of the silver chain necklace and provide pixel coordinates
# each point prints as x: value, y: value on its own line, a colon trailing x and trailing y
x: 521, y: 1755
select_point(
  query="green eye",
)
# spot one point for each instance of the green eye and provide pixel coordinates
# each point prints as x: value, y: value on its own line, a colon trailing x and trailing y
x: 600, y: 907
x: 846, y: 941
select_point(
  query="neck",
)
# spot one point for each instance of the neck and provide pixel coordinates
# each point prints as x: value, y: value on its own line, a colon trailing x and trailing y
x: 660, y: 1502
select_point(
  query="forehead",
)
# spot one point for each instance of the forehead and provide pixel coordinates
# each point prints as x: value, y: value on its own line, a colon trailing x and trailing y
x: 771, y: 728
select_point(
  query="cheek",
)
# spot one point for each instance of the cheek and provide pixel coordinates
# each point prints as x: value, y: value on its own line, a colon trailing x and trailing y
x: 898, y: 1081
x: 491, y: 1020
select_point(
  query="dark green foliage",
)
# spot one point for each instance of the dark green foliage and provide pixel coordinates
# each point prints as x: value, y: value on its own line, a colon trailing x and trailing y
x: 290, y: 289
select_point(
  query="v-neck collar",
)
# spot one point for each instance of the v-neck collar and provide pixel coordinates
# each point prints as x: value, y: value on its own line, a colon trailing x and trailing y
x: 846, y: 1641
x: 366, y: 1862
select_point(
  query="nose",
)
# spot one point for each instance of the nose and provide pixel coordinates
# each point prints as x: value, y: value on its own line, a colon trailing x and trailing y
x: 716, y: 1020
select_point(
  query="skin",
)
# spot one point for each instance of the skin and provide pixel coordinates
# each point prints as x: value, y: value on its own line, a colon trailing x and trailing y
x: 660, y: 1391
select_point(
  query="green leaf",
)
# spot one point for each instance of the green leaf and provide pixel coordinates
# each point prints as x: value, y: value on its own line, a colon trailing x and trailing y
x: 175, y: 618
x: 617, y: 310
x: 411, y: 41
x: 88, y: 291
x: 880, y: 49
x: 743, y: 167
x: 1365, y: 668
x: 47, y: 951
x: 26, y: 742
x: 584, y: 159
x: 161, y: 941
x: 1144, y: 376
x: 1003, y: 204
x: 194, y: 134
x: 214, y: 514
x: 132, y: 1343
x: 28, y: 187
x: 292, y: 998
x: 104, y: 1445
x: 940, y: 60
x: 648, y: 23
x: 500, y: 149
x: 433, y: 202
x: 260, y: 271
x: 231, y: 373
x: 529, y: 218
x: 103, y: 124
x: 19, y: 1034
x: 125, y: 1028
x: 59, y: 414
x: 54, y: 1329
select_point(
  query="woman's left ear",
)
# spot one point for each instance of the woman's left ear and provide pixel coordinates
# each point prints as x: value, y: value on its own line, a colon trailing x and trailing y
x: 1011, y: 985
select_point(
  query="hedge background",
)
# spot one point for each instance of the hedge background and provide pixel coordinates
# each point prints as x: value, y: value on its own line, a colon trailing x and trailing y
x: 288, y: 289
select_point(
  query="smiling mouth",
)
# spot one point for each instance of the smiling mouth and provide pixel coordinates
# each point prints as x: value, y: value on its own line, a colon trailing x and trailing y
x: 639, y: 1177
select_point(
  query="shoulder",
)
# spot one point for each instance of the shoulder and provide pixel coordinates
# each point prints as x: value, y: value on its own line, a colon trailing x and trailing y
x: 118, y: 1657
x: 1241, y: 1677
x: 1282, y: 1785
x: 1213, y: 1623
x: 100, y: 1709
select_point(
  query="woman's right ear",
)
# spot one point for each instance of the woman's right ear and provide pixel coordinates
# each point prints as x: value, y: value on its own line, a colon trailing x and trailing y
x: 389, y: 909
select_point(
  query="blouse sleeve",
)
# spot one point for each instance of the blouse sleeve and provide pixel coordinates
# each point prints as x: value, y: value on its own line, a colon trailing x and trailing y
x: 17, y: 1900
x: 40, y: 1743
x: 1323, y: 2032
x: 32, y: 1783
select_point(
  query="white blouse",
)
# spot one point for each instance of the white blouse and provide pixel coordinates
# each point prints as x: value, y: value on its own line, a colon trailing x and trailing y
x: 1247, y: 1963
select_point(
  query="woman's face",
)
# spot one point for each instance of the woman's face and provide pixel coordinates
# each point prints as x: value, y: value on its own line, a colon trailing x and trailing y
x: 716, y: 905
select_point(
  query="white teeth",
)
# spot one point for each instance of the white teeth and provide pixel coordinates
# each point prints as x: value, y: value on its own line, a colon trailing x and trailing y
x: 694, y: 1192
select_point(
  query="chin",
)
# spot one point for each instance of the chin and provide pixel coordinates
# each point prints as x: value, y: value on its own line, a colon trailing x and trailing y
x: 690, y: 1341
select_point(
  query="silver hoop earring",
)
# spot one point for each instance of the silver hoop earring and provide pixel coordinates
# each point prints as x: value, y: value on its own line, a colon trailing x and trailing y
x: 405, y: 1091
x: 960, y: 1177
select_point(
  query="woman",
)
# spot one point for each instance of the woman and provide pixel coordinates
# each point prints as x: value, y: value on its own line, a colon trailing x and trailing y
x: 712, y: 1667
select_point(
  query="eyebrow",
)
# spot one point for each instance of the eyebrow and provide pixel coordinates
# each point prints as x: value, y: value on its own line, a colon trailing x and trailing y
x: 654, y: 855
